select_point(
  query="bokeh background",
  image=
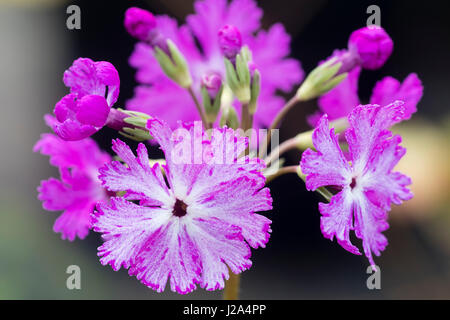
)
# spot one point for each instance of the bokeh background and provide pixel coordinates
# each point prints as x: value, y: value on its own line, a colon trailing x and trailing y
x: 298, y: 263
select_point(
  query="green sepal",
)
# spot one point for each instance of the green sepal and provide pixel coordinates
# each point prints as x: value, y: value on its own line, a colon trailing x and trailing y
x: 175, y: 66
x: 255, y: 89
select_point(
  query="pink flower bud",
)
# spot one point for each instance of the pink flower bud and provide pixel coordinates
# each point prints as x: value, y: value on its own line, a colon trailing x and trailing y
x: 139, y: 23
x: 230, y: 41
x: 212, y: 82
x: 373, y: 46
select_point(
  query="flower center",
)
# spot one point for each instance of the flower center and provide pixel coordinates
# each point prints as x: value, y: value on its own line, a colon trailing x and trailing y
x: 179, y: 209
x: 353, y: 184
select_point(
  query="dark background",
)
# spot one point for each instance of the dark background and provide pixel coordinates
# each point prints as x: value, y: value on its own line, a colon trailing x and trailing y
x: 298, y: 263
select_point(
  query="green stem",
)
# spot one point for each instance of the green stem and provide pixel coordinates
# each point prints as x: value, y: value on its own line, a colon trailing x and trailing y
x: 276, y: 122
x: 199, y: 108
x: 282, y: 171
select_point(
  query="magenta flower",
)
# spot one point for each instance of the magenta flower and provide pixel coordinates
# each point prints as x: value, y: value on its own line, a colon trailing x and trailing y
x: 161, y: 97
x: 340, y: 101
x: 372, y: 45
x: 94, y: 88
x: 193, y: 226
x: 366, y: 183
x: 78, y: 189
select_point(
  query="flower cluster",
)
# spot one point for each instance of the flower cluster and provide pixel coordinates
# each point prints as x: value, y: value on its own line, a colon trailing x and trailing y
x: 191, y: 218
x: 242, y: 21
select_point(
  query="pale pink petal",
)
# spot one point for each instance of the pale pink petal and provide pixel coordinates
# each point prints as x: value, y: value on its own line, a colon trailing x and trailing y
x: 169, y: 252
x: 370, y: 221
x: 226, y: 201
x: 369, y: 125
x: 138, y: 178
x: 327, y: 166
x: 382, y: 185
x: 126, y: 227
x: 220, y: 244
x: 337, y: 219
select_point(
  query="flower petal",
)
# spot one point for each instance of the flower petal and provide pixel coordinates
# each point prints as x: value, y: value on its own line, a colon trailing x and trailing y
x: 327, y: 166
x: 88, y: 77
x: 93, y: 110
x: 369, y: 126
x: 137, y: 178
x: 337, y: 219
x: 126, y: 227
x: 382, y: 185
x: 390, y: 89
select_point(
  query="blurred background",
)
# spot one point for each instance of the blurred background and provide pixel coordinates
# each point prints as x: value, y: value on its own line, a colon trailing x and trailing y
x: 298, y: 263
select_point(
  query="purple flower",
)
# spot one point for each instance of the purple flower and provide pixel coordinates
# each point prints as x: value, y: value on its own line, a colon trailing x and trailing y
x: 230, y: 41
x: 78, y: 189
x: 139, y: 23
x: 192, y: 225
x: 366, y: 184
x: 340, y: 101
x: 372, y: 45
x: 94, y: 88
x: 161, y: 97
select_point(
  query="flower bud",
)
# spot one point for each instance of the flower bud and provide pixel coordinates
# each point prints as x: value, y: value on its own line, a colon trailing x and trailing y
x: 212, y: 82
x: 230, y: 41
x: 139, y: 23
x: 372, y: 45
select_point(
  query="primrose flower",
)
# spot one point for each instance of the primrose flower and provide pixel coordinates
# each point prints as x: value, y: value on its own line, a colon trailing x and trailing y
x: 340, y: 101
x: 78, y: 189
x: 366, y: 184
x: 94, y: 88
x: 163, y: 98
x: 192, y: 225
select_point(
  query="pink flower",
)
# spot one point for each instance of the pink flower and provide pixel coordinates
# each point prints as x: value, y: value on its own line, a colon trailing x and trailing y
x: 365, y: 180
x: 161, y: 97
x: 78, y: 189
x: 340, y: 101
x: 372, y: 45
x: 192, y: 225
x: 139, y: 23
x: 94, y: 88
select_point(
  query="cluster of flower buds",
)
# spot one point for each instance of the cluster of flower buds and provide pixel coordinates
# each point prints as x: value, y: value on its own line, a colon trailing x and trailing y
x: 242, y: 76
x: 142, y: 25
